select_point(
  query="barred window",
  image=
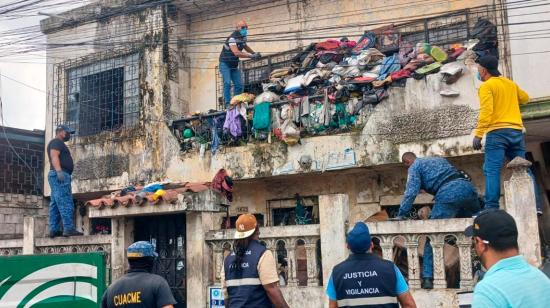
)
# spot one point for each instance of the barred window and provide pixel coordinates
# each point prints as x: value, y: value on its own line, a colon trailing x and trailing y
x: 104, y: 95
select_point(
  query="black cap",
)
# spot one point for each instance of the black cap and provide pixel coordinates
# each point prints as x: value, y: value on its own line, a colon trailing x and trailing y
x: 490, y: 63
x: 495, y: 227
x: 65, y: 128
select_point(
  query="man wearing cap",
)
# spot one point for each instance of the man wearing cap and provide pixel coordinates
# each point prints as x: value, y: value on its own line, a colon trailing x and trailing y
x: 510, y: 281
x: 59, y: 178
x: 232, y: 50
x: 139, y: 288
x: 366, y: 280
x: 454, y: 196
x: 500, y: 121
x: 249, y: 274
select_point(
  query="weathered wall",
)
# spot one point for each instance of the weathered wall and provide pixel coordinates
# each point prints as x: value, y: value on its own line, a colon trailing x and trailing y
x: 111, y: 160
x: 368, y: 189
x: 283, y: 25
x: 14, y: 207
x: 413, y: 118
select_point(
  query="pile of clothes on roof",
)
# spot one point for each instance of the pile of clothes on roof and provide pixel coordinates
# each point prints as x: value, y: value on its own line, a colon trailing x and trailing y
x: 335, y: 84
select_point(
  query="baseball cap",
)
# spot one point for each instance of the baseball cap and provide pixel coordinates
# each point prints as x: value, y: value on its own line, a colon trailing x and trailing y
x: 358, y: 238
x: 141, y: 249
x: 246, y: 225
x: 65, y: 128
x: 490, y: 63
x: 495, y: 227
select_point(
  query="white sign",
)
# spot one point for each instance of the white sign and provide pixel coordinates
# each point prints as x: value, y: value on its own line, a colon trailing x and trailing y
x: 216, y: 297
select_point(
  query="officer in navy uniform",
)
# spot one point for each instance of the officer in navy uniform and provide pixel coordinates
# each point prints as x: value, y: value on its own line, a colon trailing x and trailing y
x: 366, y: 280
x: 249, y: 274
x: 139, y: 287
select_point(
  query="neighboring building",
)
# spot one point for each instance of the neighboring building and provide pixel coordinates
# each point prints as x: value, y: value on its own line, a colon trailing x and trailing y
x: 21, y: 179
x: 133, y: 70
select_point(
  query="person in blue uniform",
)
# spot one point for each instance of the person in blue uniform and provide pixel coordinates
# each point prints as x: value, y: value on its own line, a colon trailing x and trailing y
x: 454, y: 195
x: 366, y: 280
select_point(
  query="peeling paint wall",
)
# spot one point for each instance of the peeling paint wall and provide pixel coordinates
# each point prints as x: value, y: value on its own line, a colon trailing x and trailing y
x: 368, y: 189
x: 112, y: 160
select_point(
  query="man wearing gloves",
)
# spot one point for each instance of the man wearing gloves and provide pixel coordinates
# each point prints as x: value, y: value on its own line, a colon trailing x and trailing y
x: 500, y: 121
x: 229, y: 60
x: 59, y: 178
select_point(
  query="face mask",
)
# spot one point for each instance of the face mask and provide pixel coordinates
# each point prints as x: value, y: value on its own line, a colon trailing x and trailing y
x: 243, y: 31
x: 478, y: 76
x: 67, y: 137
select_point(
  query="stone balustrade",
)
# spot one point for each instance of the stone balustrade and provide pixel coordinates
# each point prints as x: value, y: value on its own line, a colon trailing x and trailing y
x: 298, y: 242
x: 410, y: 233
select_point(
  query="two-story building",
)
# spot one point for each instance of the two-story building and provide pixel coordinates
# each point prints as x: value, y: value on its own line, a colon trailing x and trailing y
x: 128, y: 74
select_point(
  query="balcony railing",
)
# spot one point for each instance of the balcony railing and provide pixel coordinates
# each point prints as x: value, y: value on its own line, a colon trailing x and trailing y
x: 442, y: 232
x: 296, y: 249
x: 302, y: 243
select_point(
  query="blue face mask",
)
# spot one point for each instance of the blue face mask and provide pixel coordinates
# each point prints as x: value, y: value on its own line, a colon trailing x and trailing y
x: 478, y: 76
x: 243, y: 31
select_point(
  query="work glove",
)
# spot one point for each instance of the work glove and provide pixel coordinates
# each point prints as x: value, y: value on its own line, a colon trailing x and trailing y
x: 476, y: 143
x: 60, y: 176
x: 256, y: 56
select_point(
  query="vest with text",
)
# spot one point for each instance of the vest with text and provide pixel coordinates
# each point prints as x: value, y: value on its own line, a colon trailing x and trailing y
x: 243, y: 285
x: 365, y: 280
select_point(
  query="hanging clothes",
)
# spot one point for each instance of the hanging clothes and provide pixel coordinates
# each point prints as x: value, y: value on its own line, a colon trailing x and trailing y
x: 233, y: 122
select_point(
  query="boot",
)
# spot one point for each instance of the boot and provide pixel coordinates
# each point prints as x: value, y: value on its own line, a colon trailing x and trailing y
x: 427, y: 283
x: 55, y: 234
x: 72, y: 233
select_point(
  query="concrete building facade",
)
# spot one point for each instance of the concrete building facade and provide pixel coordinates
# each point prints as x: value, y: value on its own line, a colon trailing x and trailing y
x: 160, y: 58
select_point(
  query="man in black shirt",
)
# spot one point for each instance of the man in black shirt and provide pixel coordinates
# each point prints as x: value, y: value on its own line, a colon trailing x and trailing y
x: 229, y: 60
x: 139, y: 288
x: 59, y: 178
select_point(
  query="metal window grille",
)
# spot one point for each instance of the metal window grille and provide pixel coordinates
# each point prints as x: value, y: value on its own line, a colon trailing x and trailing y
x: 21, y: 173
x: 443, y: 30
x: 97, y: 95
x: 281, y: 212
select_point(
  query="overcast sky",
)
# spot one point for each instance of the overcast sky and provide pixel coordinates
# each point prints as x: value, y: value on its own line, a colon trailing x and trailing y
x: 24, y: 107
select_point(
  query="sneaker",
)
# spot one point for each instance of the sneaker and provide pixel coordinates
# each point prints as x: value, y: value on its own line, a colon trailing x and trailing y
x: 55, y: 234
x: 427, y: 283
x: 72, y: 233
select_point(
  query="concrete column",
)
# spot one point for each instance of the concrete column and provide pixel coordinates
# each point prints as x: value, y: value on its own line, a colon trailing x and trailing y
x: 122, y: 236
x: 28, y: 235
x: 292, y: 263
x: 438, y: 265
x: 412, y: 258
x: 311, y: 263
x: 333, y: 217
x: 519, y: 196
x: 198, y: 257
x: 465, y: 253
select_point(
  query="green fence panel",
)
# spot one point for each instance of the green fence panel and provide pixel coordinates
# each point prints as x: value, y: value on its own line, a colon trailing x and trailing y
x: 56, y: 280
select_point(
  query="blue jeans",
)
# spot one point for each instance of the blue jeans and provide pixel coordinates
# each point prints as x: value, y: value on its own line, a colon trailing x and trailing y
x: 61, y: 205
x: 454, y: 198
x: 499, y: 144
x: 230, y: 75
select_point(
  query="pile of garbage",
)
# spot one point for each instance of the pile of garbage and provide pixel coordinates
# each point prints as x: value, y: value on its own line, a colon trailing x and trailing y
x: 334, y: 85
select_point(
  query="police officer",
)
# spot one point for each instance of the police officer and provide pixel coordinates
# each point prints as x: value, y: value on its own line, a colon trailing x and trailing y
x: 249, y: 274
x: 366, y: 280
x: 139, y: 288
x: 454, y: 196
x: 232, y: 51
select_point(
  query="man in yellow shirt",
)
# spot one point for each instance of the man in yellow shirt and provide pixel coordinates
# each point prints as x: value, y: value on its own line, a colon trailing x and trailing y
x: 500, y: 122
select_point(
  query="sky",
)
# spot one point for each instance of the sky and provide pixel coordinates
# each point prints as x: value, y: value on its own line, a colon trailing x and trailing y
x: 24, y: 107
x: 23, y: 86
